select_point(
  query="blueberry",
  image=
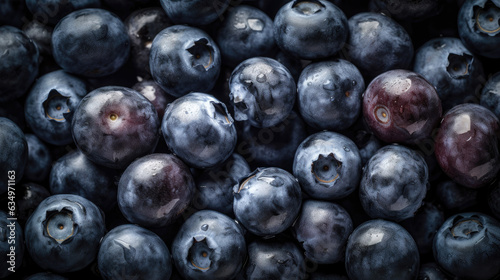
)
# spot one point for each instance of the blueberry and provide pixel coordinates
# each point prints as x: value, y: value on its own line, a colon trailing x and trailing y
x: 195, y: 12
x: 28, y: 197
x: 41, y: 34
x: 13, y: 155
x: 401, y: 106
x: 467, y: 245
x: 431, y: 271
x: 394, y: 183
x: 46, y: 276
x: 451, y: 68
x: 322, y: 229
x: 267, y: 201
x: 90, y: 42
x: 367, y: 144
x: 215, y: 185
x: 455, y: 197
x: 129, y: 251
x: 75, y: 174
x: 262, y: 92
x: 327, y: 165
x: 490, y: 95
x: 274, y: 260
x: 154, y: 93
x: 246, y: 32
x: 390, y: 46
x: 113, y: 126
x: 39, y: 159
x: 329, y: 94
x: 142, y: 27
x: 11, y: 245
x: 272, y: 146
x: 63, y: 233
x: 209, y: 245
x: 310, y: 29
x: 52, y: 11
x: 184, y: 59
x: 20, y: 61
x: 50, y: 106
x: 155, y: 189
x: 467, y: 147
x: 379, y: 249
x: 479, y: 27
x: 13, y: 12
x: 408, y: 10
x: 199, y: 130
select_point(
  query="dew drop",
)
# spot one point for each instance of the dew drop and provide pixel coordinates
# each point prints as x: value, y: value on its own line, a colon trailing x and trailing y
x: 204, y: 227
x: 347, y: 149
x: 354, y: 82
x: 329, y: 85
x: 256, y: 24
x: 261, y: 78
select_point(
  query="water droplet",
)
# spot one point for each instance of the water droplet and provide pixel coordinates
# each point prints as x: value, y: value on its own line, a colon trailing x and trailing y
x: 332, y: 98
x: 347, y: 149
x: 256, y: 24
x: 354, y: 82
x: 204, y: 227
x: 329, y: 85
x: 261, y: 78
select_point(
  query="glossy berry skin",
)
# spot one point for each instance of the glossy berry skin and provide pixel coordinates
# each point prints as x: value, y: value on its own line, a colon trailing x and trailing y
x: 490, y: 95
x: 277, y: 194
x: 114, y: 125
x: 10, y: 259
x: 60, y: 226
x: 214, y: 186
x: 20, y: 62
x: 40, y: 34
x: 262, y: 92
x: 323, y: 229
x: 184, y: 59
x: 400, y: 106
x: 75, y: 174
x: 195, y: 12
x: 90, y: 42
x: 451, y: 68
x: 394, y: 183
x: 199, y: 130
x: 15, y: 157
x: 246, y: 32
x: 154, y: 93
x: 50, y: 106
x: 154, y: 190
x: 390, y: 45
x: 408, y: 10
x: 130, y: 251
x: 467, y: 147
x: 329, y: 94
x: 209, y: 245
x: 310, y: 29
x: 39, y: 159
x: 467, y: 245
x: 380, y: 249
x: 274, y: 260
x: 52, y: 11
x: 327, y: 165
x: 142, y: 27
x: 431, y: 271
x: 479, y: 26
x: 273, y: 146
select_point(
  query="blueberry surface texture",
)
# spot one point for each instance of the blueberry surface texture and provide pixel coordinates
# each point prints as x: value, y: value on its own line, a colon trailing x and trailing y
x: 195, y: 12
x: 113, y: 126
x: 490, y: 94
x: 198, y: 129
x: 467, y: 245
x: 129, y: 251
x: 154, y: 190
x: 13, y: 159
x: 209, y: 245
x: 310, y: 29
x: 277, y: 194
x: 184, y: 59
x: 394, y: 183
x: 380, y: 249
x: 327, y: 165
x: 263, y: 92
x: 52, y: 11
x: 63, y: 233
x: 90, y: 42
x: 39, y: 159
x: 50, y: 106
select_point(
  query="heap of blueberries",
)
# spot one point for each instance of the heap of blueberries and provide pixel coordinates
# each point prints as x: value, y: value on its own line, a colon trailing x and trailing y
x: 249, y: 139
